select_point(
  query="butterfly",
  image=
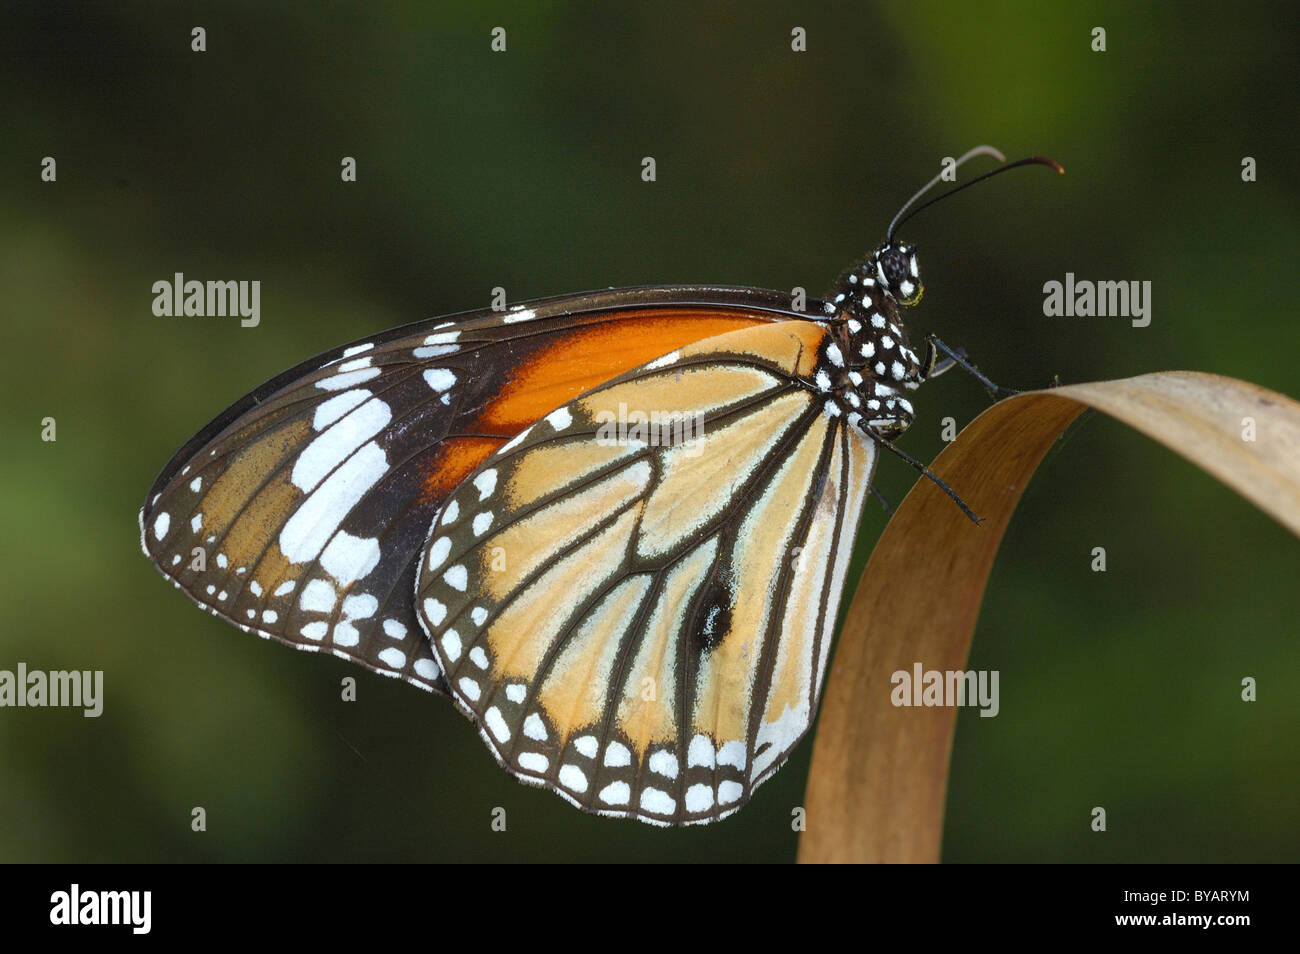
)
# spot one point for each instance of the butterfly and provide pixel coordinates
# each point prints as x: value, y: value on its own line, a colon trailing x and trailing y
x: 613, y: 527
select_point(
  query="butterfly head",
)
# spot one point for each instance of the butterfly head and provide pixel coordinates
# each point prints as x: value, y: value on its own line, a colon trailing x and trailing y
x: 879, y: 366
x: 897, y: 272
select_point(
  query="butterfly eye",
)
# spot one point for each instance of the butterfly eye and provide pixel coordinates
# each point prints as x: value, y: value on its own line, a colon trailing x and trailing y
x: 901, y: 272
x: 894, y: 264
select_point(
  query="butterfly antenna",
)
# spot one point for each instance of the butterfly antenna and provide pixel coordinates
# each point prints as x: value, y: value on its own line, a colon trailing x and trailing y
x: 926, y: 472
x: 971, y: 154
x: 904, y: 215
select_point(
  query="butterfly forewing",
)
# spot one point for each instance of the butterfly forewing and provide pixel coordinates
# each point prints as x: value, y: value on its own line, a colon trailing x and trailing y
x: 300, y: 512
x: 641, y: 624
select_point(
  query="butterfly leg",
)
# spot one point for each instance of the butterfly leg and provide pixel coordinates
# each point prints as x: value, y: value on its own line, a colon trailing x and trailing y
x: 956, y: 357
x: 935, y: 365
x: 885, y: 504
x: 925, y: 472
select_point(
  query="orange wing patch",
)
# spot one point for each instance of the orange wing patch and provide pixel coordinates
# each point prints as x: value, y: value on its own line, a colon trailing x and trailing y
x: 588, y: 358
x: 455, y: 460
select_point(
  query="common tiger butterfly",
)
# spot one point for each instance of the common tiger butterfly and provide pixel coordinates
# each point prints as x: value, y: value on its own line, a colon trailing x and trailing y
x: 613, y: 527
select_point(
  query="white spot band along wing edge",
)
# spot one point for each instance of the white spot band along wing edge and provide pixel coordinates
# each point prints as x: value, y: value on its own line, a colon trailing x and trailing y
x: 644, y: 629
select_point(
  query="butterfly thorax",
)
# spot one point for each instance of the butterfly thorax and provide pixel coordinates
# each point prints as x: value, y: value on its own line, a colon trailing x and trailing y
x: 876, y: 363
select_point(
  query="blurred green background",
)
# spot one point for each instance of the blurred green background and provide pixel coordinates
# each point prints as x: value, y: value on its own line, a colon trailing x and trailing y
x: 522, y: 169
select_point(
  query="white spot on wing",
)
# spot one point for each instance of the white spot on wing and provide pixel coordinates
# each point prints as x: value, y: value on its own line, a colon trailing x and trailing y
x: 657, y: 802
x: 456, y: 577
x: 496, y: 724
x: 319, y: 516
x: 534, y: 728
x: 486, y: 483
x: 348, y: 558
x: 435, y: 611
x: 438, y: 553
x: 670, y: 358
x: 337, y: 382
x: 360, y: 606
x: 664, y: 763
x: 534, y: 761
x: 699, y: 798
x: 435, y: 351
x: 426, y: 668
x: 700, y: 753
x: 440, y: 379
x: 617, y: 755
x: 615, y: 793
x: 516, y: 440
x: 317, y: 597
x: 573, y: 778
x: 337, y: 442
x: 733, y: 754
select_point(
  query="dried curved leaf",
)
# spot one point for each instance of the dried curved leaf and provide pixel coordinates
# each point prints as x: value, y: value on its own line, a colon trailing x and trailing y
x: 879, y: 773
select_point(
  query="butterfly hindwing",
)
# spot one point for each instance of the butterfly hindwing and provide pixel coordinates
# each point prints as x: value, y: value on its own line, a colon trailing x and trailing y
x: 640, y: 620
x: 300, y: 512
